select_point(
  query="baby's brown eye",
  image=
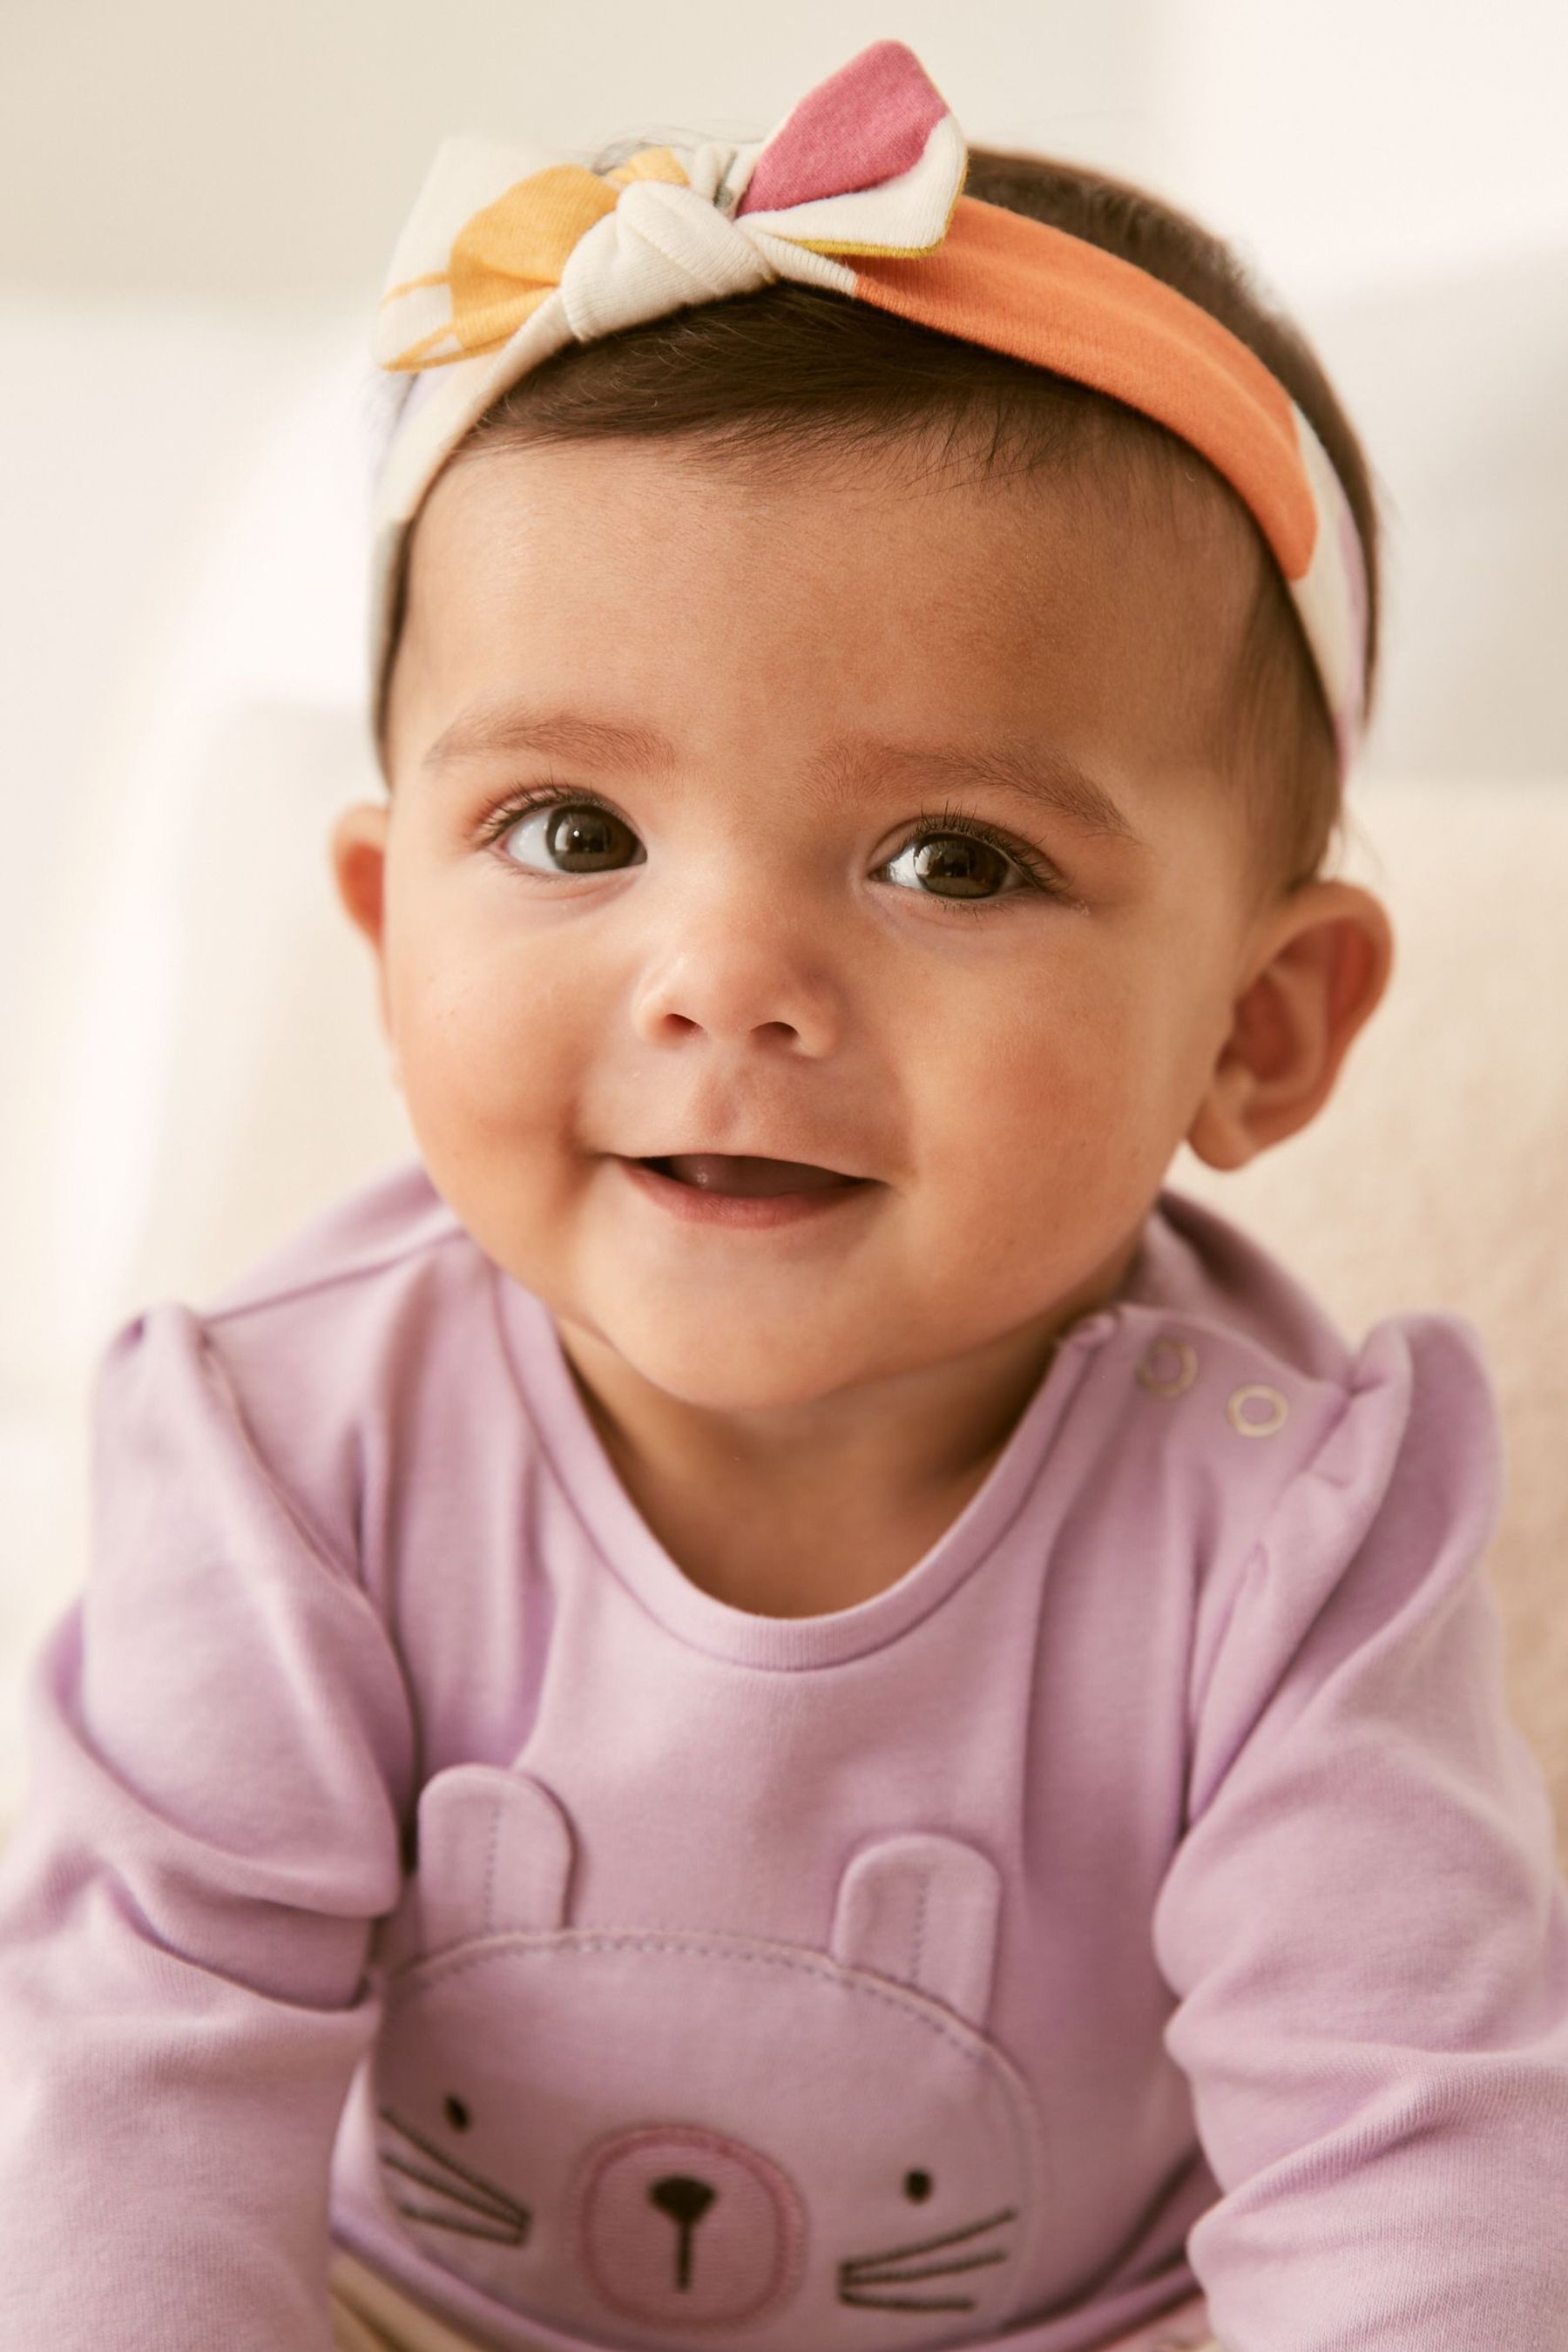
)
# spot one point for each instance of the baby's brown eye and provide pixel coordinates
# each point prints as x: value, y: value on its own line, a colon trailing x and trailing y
x: 957, y: 866
x: 457, y: 2114
x: 918, y: 2187
x: 568, y: 838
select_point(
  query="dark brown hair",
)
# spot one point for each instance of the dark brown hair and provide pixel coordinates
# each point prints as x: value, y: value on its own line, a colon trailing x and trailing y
x: 793, y: 368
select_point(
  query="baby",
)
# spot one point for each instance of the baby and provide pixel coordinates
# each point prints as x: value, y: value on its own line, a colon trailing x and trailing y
x: 773, y: 1701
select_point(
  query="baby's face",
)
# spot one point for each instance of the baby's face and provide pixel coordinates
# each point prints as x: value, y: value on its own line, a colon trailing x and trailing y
x: 763, y: 936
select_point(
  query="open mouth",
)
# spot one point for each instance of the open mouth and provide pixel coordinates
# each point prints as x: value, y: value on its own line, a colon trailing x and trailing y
x: 746, y: 1178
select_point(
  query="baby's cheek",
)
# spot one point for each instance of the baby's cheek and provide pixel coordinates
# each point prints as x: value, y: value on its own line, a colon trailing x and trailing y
x: 492, y: 1098
x: 1046, y: 1106
x: 488, y: 1041
x: 1055, y: 1162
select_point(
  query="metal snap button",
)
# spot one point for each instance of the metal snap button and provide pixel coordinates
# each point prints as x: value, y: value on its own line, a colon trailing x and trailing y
x: 1169, y: 1366
x: 1257, y: 1424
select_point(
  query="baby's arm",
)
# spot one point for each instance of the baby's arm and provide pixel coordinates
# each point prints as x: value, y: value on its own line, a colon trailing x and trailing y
x: 1364, y: 1920
x: 221, y: 1746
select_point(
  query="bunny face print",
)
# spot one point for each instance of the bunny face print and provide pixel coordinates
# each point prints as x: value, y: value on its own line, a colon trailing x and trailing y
x: 648, y: 2136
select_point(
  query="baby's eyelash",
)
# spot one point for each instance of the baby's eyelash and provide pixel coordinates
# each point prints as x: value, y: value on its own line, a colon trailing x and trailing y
x: 1042, y: 875
x: 511, y: 811
x: 1039, y: 873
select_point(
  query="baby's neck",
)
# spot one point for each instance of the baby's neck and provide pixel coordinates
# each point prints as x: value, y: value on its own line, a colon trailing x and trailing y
x: 793, y: 1545
x: 808, y: 1515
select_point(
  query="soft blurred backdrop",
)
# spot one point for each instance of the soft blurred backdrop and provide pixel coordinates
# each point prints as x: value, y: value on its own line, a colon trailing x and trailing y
x: 196, y: 206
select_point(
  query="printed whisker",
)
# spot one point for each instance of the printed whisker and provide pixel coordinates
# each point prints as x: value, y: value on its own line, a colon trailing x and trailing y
x: 466, y: 2229
x: 857, y: 2264
x: 449, y: 2163
x: 901, y: 2303
x: 932, y: 2270
x: 495, y: 2207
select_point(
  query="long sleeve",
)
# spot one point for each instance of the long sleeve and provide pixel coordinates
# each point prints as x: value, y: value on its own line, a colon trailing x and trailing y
x: 1364, y: 1922
x: 220, y: 1747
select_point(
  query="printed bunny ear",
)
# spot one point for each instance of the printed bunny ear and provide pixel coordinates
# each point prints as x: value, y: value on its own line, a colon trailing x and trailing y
x: 494, y: 1854
x: 925, y: 1910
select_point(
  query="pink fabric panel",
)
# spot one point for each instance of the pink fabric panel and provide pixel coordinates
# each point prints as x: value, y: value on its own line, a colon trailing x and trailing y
x: 863, y: 125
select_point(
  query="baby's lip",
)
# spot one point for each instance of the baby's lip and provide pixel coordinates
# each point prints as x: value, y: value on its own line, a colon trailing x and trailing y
x: 752, y: 1172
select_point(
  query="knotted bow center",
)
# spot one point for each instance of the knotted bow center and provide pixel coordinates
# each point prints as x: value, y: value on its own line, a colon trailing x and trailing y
x: 663, y: 247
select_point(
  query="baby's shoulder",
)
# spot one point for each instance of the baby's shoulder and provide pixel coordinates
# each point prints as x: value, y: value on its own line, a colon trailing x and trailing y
x: 1225, y: 1382
x: 1216, y: 1350
x: 361, y: 1307
x: 356, y: 1356
x: 396, y: 1221
x: 1201, y: 1420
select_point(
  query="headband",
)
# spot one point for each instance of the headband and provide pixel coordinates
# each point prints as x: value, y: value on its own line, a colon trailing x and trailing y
x: 858, y: 189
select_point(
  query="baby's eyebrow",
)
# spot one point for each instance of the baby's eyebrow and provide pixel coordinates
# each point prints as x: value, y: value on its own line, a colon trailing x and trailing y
x: 1041, y: 776
x: 508, y: 726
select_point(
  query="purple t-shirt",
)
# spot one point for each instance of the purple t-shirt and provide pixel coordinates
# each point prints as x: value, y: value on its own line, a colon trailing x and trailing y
x: 1148, y: 1889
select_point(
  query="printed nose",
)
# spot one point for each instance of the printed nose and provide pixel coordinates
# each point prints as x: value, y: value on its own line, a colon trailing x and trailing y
x: 682, y: 2227
x: 685, y: 2200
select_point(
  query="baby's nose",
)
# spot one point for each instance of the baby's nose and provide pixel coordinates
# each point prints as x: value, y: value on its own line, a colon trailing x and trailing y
x: 743, y: 973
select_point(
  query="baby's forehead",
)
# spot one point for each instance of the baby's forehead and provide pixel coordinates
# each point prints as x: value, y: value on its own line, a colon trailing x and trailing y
x: 1091, y: 515
x: 1108, y: 586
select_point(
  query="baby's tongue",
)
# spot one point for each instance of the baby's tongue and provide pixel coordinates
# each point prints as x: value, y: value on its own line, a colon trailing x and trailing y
x: 721, y: 1172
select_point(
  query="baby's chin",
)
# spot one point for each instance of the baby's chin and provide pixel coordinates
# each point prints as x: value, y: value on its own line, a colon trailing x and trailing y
x: 757, y: 1351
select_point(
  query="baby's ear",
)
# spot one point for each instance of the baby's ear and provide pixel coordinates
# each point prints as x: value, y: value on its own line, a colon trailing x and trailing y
x: 359, y: 865
x: 359, y: 869
x: 1321, y: 961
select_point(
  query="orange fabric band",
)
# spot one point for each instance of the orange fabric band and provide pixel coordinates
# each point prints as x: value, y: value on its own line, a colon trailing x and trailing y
x: 1020, y: 287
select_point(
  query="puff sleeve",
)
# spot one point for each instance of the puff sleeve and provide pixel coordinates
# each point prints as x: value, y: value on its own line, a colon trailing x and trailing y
x: 1363, y: 1921
x: 219, y: 1745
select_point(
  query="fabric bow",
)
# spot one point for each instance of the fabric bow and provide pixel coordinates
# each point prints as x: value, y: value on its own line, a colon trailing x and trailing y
x: 870, y: 162
x: 500, y: 266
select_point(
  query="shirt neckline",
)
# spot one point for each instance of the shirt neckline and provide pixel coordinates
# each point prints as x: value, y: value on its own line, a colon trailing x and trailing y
x: 628, y: 1547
